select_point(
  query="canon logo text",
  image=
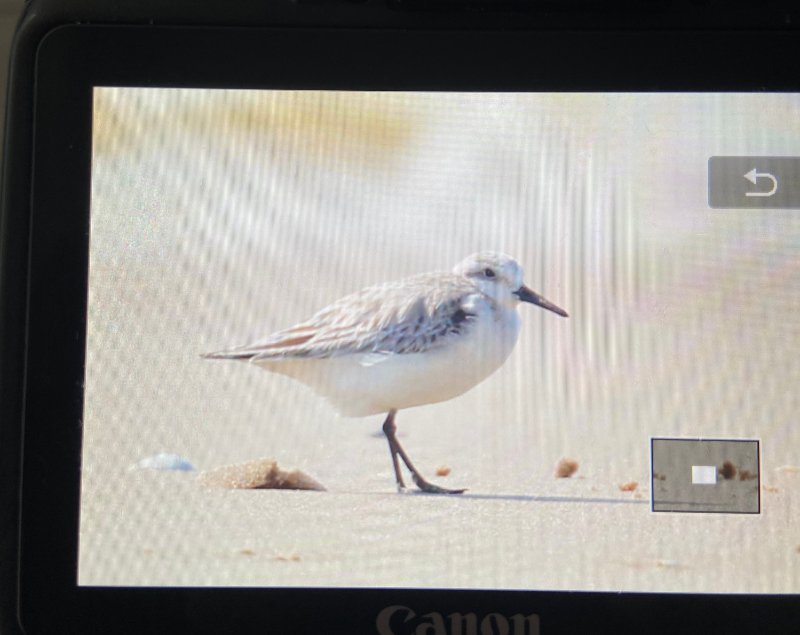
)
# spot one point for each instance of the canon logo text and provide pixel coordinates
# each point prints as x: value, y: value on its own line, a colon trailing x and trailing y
x: 401, y: 620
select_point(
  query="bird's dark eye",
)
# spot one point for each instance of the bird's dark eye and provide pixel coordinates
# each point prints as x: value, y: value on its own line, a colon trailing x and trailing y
x: 489, y: 273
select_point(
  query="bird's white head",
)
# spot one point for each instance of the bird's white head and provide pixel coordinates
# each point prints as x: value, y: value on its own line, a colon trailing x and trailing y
x: 500, y: 277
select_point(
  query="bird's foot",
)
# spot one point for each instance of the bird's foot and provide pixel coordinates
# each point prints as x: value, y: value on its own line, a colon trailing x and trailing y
x: 430, y: 488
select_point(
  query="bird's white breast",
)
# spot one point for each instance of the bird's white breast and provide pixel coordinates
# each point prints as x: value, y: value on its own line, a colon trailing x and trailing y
x: 361, y: 384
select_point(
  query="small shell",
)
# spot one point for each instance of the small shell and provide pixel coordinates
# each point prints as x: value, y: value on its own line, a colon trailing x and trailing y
x: 164, y: 461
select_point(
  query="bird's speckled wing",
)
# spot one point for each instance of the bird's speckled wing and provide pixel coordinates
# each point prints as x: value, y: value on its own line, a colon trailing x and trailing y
x: 409, y: 316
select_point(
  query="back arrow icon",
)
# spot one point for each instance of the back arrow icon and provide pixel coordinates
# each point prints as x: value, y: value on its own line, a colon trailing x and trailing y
x: 753, y: 176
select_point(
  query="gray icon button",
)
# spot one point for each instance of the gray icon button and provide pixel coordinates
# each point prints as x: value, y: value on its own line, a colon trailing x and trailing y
x: 754, y: 182
x: 705, y: 475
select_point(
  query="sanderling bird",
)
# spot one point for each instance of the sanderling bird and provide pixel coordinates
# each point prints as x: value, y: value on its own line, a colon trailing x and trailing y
x: 420, y: 340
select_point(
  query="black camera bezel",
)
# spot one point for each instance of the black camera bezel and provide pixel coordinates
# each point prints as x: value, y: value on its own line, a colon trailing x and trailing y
x: 70, y: 60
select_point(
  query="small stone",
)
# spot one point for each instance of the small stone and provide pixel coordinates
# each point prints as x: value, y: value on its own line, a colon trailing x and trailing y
x: 745, y: 475
x: 630, y: 486
x: 566, y: 468
x: 442, y: 470
x: 728, y: 470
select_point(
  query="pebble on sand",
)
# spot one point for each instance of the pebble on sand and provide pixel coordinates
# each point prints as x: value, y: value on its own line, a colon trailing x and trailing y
x: 728, y: 470
x: 566, y: 468
x: 258, y: 474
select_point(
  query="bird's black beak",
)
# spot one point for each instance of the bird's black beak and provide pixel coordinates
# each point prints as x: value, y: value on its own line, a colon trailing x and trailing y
x: 527, y: 295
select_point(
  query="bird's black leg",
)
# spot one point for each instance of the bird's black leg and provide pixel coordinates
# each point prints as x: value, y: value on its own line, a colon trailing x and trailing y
x: 396, y: 450
x: 389, y: 429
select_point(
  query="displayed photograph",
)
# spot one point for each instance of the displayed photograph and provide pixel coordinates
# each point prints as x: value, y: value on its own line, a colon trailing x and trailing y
x: 539, y: 341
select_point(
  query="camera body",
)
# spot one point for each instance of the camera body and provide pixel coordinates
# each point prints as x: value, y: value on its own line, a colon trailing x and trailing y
x: 184, y: 177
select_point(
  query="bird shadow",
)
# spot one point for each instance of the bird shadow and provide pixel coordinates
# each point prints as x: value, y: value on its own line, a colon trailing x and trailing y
x: 532, y: 498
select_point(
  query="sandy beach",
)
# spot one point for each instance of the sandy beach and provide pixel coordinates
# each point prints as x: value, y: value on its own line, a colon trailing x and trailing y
x: 219, y: 218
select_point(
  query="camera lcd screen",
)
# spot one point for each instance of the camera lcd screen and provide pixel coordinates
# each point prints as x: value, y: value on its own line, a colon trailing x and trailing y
x: 581, y: 309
